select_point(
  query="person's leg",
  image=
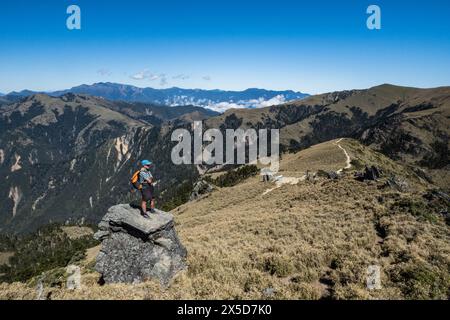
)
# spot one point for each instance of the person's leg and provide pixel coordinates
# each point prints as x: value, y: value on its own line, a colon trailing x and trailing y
x: 152, y: 198
x: 143, y: 206
x: 152, y: 206
x: 143, y: 202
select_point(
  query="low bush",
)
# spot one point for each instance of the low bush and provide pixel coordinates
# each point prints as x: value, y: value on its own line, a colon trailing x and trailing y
x: 417, y: 208
x: 420, y: 281
x: 233, y: 177
x: 44, y: 250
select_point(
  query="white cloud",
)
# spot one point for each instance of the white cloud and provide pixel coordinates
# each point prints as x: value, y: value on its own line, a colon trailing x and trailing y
x: 224, y: 106
x: 261, y: 103
x: 147, y: 75
x: 253, y: 103
x: 140, y: 75
x: 206, y: 78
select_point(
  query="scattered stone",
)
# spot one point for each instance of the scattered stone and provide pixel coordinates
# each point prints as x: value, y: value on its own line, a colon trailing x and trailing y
x: 267, y: 175
x: 135, y: 249
x: 40, y: 290
x: 398, y: 184
x: 74, y: 278
x: 437, y: 195
x: 268, y: 292
x: 370, y: 173
x: 201, y: 188
x: 332, y: 175
x: 421, y: 173
x: 310, y: 176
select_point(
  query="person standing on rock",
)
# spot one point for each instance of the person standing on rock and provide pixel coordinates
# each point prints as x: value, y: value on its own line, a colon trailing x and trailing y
x: 147, y: 189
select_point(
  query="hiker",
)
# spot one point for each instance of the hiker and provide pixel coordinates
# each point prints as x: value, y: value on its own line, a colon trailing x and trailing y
x: 147, y: 189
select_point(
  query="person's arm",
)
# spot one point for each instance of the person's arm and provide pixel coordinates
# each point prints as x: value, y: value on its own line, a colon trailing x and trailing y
x: 149, y: 179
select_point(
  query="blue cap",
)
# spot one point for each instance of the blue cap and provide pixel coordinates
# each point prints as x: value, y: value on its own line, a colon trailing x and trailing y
x: 146, y: 162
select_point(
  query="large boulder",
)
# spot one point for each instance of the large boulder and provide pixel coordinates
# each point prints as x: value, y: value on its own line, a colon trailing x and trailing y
x: 135, y: 248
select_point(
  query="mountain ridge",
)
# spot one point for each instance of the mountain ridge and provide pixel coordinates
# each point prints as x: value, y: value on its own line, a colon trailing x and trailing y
x: 306, y: 235
x: 94, y: 144
x: 215, y: 99
x: 73, y: 152
x: 416, y: 118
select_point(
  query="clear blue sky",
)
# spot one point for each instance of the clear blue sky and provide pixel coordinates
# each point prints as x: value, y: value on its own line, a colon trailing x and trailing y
x: 312, y: 46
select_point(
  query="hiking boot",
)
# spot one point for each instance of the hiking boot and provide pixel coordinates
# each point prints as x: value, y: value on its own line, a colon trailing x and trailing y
x: 152, y: 210
x: 146, y: 216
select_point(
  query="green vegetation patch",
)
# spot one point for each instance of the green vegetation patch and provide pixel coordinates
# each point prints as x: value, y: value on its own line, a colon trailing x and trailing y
x: 177, y: 196
x: 233, y: 177
x: 421, y: 281
x: 417, y: 208
x: 47, y: 249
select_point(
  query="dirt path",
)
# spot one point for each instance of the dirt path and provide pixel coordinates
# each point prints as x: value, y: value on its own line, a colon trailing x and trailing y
x: 348, y: 159
x: 280, y: 180
x: 285, y: 180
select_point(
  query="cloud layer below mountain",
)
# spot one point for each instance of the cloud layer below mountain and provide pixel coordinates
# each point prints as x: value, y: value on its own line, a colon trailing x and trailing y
x: 252, y: 103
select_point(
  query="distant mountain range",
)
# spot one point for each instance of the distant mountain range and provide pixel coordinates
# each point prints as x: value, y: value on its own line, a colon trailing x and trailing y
x: 217, y: 100
x: 54, y: 149
x: 69, y: 158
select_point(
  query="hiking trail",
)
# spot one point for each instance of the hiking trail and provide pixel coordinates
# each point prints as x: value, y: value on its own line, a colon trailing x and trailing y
x: 280, y: 180
x: 348, y: 159
x: 285, y: 180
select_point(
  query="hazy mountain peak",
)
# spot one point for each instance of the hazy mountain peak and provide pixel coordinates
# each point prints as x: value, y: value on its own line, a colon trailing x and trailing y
x: 217, y: 100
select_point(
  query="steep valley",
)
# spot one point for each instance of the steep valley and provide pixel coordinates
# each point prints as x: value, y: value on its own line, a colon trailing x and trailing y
x: 69, y: 158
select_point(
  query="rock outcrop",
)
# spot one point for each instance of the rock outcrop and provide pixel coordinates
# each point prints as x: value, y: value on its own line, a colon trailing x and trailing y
x: 135, y: 248
x: 200, y: 189
x: 397, y: 183
x: 370, y: 173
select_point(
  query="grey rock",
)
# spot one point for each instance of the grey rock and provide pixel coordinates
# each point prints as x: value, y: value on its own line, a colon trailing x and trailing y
x: 332, y: 175
x: 437, y: 194
x: 421, y: 173
x: 398, y: 184
x: 200, y: 189
x: 40, y: 290
x: 310, y: 176
x: 267, y: 175
x: 74, y: 278
x: 135, y: 248
x: 268, y: 292
x: 165, y: 243
x: 370, y: 174
x: 100, y: 235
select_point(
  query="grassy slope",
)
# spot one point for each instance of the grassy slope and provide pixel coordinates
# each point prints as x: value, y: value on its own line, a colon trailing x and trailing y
x: 307, y: 241
x: 425, y: 116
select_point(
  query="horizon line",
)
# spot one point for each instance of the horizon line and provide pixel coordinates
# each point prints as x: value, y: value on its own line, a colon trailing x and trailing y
x: 217, y: 89
x: 145, y: 87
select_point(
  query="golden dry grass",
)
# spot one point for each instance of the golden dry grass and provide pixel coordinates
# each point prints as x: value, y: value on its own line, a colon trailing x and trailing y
x: 76, y: 232
x: 324, y: 156
x: 311, y: 240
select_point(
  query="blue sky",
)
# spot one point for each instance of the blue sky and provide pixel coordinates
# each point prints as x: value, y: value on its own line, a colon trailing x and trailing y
x: 314, y: 46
